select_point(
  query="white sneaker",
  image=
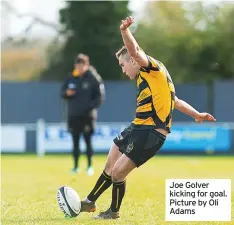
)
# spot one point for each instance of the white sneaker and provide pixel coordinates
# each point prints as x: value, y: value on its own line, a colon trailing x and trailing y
x: 75, y: 171
x: 90, y: 171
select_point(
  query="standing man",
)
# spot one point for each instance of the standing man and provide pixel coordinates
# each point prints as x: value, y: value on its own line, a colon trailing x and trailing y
x: 84, y: 92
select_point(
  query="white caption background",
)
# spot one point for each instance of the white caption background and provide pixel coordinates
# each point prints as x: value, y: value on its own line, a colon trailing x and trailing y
x: 198, y: 200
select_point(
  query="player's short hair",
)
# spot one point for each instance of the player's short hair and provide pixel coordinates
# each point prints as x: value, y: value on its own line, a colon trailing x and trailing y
x: 82, y: 58
x: 123, y: 52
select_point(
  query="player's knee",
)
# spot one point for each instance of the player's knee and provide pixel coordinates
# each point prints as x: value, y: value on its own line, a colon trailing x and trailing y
x: 89, y: 153
x: 108, y: 168
x: 117, y: 174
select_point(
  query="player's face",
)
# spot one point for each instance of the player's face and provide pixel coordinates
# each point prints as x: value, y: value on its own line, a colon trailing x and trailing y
x: 129, y: 67
x: 82, y: 67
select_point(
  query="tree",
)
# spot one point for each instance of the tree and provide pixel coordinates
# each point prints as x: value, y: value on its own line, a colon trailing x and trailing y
x: 94, y: 29
x: 163, y: 33
x: 194, y: 40
x: 224, y: 41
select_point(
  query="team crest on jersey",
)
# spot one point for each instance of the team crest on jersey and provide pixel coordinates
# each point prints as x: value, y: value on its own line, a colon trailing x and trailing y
x: 85, y: 85
x: 129, y: 148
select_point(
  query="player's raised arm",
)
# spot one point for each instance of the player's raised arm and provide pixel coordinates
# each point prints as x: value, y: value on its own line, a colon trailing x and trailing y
x: 184, y: 107
x: 129, y: 41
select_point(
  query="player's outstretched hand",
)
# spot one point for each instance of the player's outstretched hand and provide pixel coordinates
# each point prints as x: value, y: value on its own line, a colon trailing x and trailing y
x: 126, y: 23
x: 204, y: 117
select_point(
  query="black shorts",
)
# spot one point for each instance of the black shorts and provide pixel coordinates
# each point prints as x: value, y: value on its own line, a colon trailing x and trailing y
x: 82, y: 124
x: 139, y: 145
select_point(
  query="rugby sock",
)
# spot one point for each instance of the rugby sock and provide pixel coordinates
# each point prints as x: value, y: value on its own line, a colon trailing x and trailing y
x: 103, y: 182
x: 76, y: 148
x: 76, y: 156
x: 89, y: 151
x: 89, y: 161
x: 118, y: 192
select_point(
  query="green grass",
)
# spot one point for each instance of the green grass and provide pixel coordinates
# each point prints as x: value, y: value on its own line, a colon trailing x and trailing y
x: 29, y: 186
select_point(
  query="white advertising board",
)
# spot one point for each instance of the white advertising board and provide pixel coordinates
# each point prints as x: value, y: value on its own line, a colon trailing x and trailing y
x: 13, y: 138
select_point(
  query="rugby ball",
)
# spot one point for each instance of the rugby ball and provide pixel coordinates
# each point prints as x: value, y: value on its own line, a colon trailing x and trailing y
x: 68, y: 201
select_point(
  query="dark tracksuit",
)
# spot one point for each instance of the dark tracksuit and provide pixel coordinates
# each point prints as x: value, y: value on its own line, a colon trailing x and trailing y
x: 88, y: 97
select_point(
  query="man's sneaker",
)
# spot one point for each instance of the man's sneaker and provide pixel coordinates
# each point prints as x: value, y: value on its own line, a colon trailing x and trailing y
x: 75, y: 170
x: 90, y: 171
x: 88, y: 206
x: 108, y: 214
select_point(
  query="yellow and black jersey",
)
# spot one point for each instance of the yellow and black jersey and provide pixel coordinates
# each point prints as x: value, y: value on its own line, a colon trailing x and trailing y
x: 155, y: 97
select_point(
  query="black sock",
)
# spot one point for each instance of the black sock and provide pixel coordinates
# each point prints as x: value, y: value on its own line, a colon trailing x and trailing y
x: 89, y: 161
x: 76, y: 148
x: 76, y: 156
x: 89, y: 151
x: 118, y: 192
x: 103, y: 182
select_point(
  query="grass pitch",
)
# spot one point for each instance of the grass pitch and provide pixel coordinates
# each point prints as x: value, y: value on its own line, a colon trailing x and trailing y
x: 29, y: 186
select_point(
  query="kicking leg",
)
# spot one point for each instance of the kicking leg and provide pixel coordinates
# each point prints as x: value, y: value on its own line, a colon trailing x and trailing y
x: 103, y: 182
x: 121, y: 169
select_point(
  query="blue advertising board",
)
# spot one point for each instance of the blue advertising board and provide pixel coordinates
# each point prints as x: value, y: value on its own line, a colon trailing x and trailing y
x: 183, y: 137
x: 199, y: 138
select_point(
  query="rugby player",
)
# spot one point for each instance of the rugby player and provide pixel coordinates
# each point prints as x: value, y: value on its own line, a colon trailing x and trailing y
x: 156, y: 100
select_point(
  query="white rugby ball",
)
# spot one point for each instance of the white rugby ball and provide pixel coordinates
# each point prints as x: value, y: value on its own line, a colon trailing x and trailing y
x: 68, y: 201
